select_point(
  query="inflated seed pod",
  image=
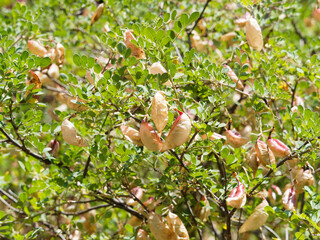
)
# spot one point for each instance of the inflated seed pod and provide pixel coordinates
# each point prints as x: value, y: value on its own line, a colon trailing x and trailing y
x: 179, y: 132
x: 202, y: 211
x: 143, y: 235
x: 234, y: 139
x: 231, y: 74
x: 257, y: 219
x: 254, y: 34
x: 70, y: 134
x: 237, y: 198
x: 159, y: 228
x: 159, y: 111
x: 137, y: 52
x: 149, y: 137
x: 303, y: 178
x: 54, y: 71
x: 278, y: 148
x: 264, y: 154
x: 177, y: 226
x: 289, y: 199
x: 36, y: 48
x: 131, y: 134
x: 156, y: 68
x: 138, y: 192
x: 97, y: 13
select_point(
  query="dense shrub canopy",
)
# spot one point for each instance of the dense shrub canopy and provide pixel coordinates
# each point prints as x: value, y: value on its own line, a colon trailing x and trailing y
x: 114, y: 113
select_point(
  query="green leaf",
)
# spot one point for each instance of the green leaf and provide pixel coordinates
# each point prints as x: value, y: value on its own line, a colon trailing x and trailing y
x: 166, y: 17
x: 194, y: 16
x: 121, y: 47
x: 76, y: 60
x: 173, y: 14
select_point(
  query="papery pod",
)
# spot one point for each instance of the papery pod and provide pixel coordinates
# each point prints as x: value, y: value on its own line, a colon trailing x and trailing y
x: 60, y: 53
x: 159, y: 111
x: 228, y: 37
x: 237, y: 198
x: 197, y: 43
x: 36, y: 48
x: 138, y: 192
x: 177, y: 226
x: 214, y: 136
x: 159, y: 228
x: 179, y: 132
x: 235, y: 140
x: 304, y: 178
x: 55, y: 147
x: 51, y: 53
x: 292, y: 163
x: 289, y: 199
x: 273, y: 192
x: 231, y: 74
x: 90, y: 78
x: 254, y: 34
x: 71, y: 102
x: 316, y: 14
x: 264, y: 154
x: 97, y: 13
x: 53, y: 71
x: 149, y: 137
x: 241, y: 22
x: 45, y: 80
x: 131, y: 134
x: 278, y: 148
x: 150, y: 204
x: 202, y: 211
x: 106, y: 27
x: 137, y: 52
x: 156, y: 68
x: 70, y: 134
x: 143, y: 235
x: 257, y: 219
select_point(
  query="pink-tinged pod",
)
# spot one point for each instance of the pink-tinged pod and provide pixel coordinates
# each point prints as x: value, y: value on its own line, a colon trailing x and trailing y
x: 36, y: 48
x: 55, y: 146
x: 237, y: 198
x: 231, y: 74
x: 149, y: 137
x: 177, y: 226
x: 316, y: 14
x: 179, y: 132
x: 150, y: 204
x: 273, y: 192
x: 303, y: 178
x: 278, y: 148
x: 289, y: 199
x: 143, y: 235
x: 257, y: 219
x: 138, y: 192
x: 264, y: 154
x: 131, y: 134
x: 235, y: 140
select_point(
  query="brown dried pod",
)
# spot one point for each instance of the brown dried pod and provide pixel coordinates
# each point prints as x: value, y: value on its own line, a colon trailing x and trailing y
x: 142, y: 235
x: 241, y: 22
x: 237, y: 198
x: 131, y: 134
x: 256, y: 219
x: 278, y: 148
x: 72, y: 103
x: 149, y: 137
x: 254, y: 34
x: 202, y: 210
x: 55, y: 147
x: 234, y: 139
x: 156, y: 68
x: 137, y: 52
x: 60, y: 53
x: 199, y: 44
x: 264, y: 154
x: 138, y: 192
x: 53, y: 71
x: 36, y: 48
x: 159, y: 228
x: 70, y: 134
x: 97, y: 13
x: 289, y: 199
x: 228, y: 37
x: 303, y: 178
x: 177, y: 226
x: 179, y: 132
x: 231, y: 74
x: 159, y: 111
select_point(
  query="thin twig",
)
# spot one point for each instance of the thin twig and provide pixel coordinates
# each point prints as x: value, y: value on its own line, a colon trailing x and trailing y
x: 82, y: 212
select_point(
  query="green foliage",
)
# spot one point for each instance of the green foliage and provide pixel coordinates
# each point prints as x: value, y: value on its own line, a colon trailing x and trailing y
x: 102, y: 83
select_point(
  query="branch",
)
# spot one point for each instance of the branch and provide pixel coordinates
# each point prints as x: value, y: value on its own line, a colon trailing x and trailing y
x: 296, y: 30
x: 82, y: 212
x: 196, y: 23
